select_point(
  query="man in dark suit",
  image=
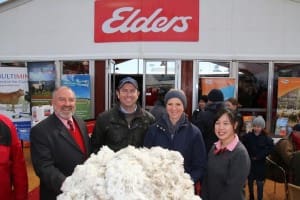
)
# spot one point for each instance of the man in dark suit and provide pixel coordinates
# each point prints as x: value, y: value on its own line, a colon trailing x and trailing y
x: 58, y: 144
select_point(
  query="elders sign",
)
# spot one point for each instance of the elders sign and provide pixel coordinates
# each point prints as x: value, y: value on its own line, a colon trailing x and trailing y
x: 146, y: 20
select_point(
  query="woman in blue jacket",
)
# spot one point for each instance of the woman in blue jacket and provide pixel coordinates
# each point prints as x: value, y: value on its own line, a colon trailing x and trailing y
x: 173, y: 131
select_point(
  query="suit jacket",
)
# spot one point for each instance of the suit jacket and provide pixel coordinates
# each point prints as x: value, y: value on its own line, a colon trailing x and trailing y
x: 55, y: 154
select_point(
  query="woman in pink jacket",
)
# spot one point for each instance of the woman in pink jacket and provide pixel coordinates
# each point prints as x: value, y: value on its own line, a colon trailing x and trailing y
x: 13, y: 174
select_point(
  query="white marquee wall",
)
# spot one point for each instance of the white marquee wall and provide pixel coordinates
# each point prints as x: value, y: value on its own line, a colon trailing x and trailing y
x: 229, y: 29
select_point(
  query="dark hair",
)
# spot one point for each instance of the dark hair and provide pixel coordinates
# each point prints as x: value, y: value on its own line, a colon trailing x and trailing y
x: 232, y: 117
x: 296, y: 127
x: 204, y: 98
x: 215, y: 95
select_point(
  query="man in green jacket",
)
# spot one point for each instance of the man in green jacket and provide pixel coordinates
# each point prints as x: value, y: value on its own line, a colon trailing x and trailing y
x: 126, y: 123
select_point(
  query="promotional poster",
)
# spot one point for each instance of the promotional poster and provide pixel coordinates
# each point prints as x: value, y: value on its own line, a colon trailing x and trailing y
x: 14, y: 98
x: 226, y: 85
x: 288, y: 106
x: 81, y: 85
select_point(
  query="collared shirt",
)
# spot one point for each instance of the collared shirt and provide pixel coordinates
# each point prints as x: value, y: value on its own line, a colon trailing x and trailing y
x: 65, y: 121
x: 230, y: 146
x: 125, y: 111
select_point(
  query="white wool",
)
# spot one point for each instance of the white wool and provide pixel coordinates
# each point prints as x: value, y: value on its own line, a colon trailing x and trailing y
x: 130, y: 174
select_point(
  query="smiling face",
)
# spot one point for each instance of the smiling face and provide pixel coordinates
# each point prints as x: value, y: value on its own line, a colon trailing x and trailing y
x: 64, y: 102
x: 257, y: 129
x: 174, y: 109
x: 128, y: 95
x: 225, y: 129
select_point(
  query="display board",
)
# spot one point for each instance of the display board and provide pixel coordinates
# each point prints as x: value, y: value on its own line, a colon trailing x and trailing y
x: 288, y: 104
x: 14, y: 98
x: 81, y: 85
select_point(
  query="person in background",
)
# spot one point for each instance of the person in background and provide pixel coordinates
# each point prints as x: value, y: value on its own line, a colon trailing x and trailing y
x: 259, y: 145
x: 205, y: 119
x: 126, y: 123
x: 202, y: 102
x: 228, y: 162
x: 173, y: 131
x: 58, y: 144
x: 287, y: 155
x: 201, y: 107
x: 159, y: 106
x: 14, y: 179
x: 233, y: 105
x: 298, y: 118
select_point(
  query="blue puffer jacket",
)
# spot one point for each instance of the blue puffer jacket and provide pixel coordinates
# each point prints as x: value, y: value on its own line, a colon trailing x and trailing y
x: 187, y: 140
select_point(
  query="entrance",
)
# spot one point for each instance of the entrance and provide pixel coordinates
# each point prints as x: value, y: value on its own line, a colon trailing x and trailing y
x: 152, y: 76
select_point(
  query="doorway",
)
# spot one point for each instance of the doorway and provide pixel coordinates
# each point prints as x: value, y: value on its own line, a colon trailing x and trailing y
x: 151, y: 75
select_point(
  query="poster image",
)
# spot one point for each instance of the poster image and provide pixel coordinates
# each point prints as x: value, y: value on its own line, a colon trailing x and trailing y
x: 248, y: 123
x: 226, y: 85
x: 81, y: 85
x: 288, y: 106
x: 14, y: 101
x: 42, y: 77
x: 282, y: 125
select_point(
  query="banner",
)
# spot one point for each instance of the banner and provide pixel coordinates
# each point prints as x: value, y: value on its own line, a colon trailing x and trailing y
x: 136, y: 20
x: 14, y: 102
x: 226, y: 85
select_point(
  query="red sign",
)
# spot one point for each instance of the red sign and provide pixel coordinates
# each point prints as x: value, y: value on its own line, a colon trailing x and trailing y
x: 146, y: 20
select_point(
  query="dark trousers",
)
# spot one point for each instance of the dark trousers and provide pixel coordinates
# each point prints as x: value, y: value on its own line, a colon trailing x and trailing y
x: 260, y: 189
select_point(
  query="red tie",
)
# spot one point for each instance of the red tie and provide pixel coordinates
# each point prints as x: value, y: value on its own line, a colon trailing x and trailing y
x: 71, y: 126
x: 75, y: 133
x: 220, y: 151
